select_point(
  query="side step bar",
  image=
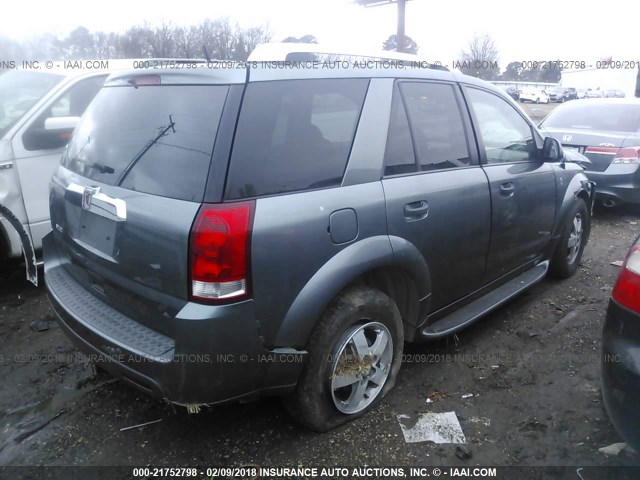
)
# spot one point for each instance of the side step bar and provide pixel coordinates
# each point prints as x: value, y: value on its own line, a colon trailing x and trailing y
x: 471, y: 312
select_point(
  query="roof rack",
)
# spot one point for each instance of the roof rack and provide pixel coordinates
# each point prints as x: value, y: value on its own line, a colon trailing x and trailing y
x: 282, y: 52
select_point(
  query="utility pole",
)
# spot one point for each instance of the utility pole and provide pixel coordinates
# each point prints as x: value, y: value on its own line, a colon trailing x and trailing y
x: 400, y: 41
x: 400, y: 35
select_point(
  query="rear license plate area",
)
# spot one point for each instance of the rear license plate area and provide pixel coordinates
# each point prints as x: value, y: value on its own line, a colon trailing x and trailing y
x: 98, y: 232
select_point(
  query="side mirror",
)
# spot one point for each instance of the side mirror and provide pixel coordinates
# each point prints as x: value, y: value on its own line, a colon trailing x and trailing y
x: 61, y: 123
x: 552, y: 150
x: 56, y: 133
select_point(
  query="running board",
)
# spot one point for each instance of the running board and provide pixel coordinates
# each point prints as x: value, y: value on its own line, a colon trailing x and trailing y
x: 471, y: 312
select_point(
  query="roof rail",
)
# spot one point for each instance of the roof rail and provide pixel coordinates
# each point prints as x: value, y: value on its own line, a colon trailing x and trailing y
x: 286, y: 51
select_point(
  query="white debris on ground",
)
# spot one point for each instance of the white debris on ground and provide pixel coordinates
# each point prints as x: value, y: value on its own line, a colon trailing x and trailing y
x: 432, y: 427
x: 482, y: 420
x: 613, y: 449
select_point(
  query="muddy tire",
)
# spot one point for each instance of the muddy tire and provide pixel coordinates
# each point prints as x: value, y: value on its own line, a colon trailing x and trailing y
x: 573, y: 239
x: 354, y: 354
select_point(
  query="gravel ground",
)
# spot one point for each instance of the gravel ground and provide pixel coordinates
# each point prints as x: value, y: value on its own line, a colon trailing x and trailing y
x: 532, y: 367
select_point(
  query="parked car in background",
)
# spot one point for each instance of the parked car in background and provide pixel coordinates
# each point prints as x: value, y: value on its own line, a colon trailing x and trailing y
x: 581, y: 92
x: 512, y: 92
x: 561, y: 94
x: 38, y: 112
x: 593, y: 93
x: 621, y: 351
x: 613, y: 94
x: 607, y: 132
x: 314, y: 219
x: 534, y: 95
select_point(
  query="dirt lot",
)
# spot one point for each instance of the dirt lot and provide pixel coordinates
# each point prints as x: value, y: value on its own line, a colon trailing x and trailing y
x: 532, y: 367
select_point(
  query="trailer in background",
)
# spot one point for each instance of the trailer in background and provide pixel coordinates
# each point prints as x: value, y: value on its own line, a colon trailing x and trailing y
x: 627, y: 80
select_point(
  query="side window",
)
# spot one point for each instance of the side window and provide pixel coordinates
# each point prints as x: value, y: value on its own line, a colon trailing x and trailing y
x: 294, y: 135
x: 507, y: 137
x: 72, y: 103
x: 399, y: 157
x: 436, y: 125
x: 75, y: 101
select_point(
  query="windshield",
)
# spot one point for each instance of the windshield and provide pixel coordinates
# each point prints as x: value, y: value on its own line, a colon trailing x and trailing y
x: 607, y: 117
x: 555, y: 90
x: 19, y: 91
x: 152, y: 139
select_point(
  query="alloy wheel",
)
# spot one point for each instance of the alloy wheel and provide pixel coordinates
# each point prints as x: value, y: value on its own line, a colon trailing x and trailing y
x: 363, y: 357
x: 575, y: 239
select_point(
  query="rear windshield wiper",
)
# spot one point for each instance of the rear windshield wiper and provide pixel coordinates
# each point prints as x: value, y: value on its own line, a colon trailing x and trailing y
x: 96, y: 166
x: 162, y: 132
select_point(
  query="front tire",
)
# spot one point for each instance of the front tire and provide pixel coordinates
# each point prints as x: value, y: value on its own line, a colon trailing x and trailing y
x: 573, y: 239
x: 354, y: 356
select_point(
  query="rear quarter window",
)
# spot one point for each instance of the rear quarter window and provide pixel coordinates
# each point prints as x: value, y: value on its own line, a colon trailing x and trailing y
x: 294, y: 135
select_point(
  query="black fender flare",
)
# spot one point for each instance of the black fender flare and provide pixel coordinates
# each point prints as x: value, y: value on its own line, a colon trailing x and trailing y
x: 579, y: 186
x: 27, y: 245
x: 341, y: 270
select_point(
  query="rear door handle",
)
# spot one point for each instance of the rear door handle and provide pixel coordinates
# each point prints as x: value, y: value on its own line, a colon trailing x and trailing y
x: 507, y: 189
x: 416, y: 210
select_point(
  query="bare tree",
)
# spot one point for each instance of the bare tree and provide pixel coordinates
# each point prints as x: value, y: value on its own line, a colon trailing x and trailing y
x: 480, y: 59
x: 161, y: 40
x: 252, y: 37
x: 133, y: 44
x: 186, y: 42
x: 221, y: 39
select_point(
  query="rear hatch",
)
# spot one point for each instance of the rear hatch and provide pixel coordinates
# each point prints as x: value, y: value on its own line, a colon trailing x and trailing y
x: 131, y: 183
x: 598, y: 130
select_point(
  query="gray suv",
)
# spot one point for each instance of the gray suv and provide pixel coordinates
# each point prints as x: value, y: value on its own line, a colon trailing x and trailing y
x: 220, y: 234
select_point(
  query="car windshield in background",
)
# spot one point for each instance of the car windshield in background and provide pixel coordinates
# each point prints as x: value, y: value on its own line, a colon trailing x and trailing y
x: 152, y: 139
x: 607, y: 117
x: 19, y: 91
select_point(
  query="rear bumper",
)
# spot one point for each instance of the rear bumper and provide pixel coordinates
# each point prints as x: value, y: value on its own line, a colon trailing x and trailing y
x: 621, y: 371
x: 621, y: 187
x: 213, y: 355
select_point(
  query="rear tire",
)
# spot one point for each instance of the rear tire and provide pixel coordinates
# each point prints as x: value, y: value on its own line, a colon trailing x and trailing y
x: 573, y: 239
x: 354, y: 355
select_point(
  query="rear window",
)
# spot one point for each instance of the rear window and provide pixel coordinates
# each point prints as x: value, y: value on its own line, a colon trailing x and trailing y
x: 152, y: 139
x: 608, y: 117
x: 294, y: 135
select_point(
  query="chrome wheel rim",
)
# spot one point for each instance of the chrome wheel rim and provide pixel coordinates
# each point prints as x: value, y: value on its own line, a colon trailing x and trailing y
x: 575, y: 239
x: 361, y: 366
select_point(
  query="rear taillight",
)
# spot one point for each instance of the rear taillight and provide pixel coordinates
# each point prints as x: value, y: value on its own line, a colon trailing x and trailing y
x: 627, y: 289
x: 219, y: 251
x: 602, y: 150
x: 627, y: 155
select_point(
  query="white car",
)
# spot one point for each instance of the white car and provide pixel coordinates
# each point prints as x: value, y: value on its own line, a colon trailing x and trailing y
x: 533, y: 95
x: 38, y: 111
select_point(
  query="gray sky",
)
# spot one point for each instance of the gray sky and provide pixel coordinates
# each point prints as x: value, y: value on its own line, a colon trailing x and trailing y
x: 522, y: 30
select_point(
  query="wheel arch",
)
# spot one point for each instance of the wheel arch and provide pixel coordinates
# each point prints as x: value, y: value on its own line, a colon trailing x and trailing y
x: 381, y: 262
x: 25, y: 239
x: 579, y: 188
